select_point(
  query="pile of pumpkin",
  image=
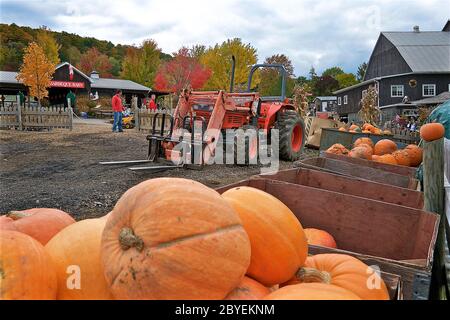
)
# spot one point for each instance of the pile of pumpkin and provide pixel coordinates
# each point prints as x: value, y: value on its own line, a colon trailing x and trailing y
x: 172, y: 238
x: 366, y: 128
x: 384, y: 151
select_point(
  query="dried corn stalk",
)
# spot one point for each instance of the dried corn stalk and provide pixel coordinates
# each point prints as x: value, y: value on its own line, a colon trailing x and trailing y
x: 369, y: 112
x: 300, y: 95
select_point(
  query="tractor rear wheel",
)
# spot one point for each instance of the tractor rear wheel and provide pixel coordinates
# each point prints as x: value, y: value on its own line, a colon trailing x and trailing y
x: 292, y: 135
x: 246, y: 146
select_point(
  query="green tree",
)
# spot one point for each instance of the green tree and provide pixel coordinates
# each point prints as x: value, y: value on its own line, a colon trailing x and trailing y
x: 270, y: 84
x: 218, y: 60
x: 197, y: 51
x: 47, y: 42
x: 141, y: 64
x: 332, y: 72
x: 346, y: 80
x: 115, y: 66
x: 361, y: 71
x: 71, y: 54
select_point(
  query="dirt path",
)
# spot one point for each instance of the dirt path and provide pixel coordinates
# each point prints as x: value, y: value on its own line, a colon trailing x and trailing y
x: 60, y: 169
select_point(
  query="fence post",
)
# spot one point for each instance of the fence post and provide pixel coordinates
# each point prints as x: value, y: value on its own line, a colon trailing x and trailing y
x: 136, y: 118
x: 19, y: 112
x: 70, y: 111
x: 433, y: 181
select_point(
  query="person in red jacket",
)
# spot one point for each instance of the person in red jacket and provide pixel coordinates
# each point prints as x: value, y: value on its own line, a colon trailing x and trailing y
x: 117, y: 108
x: 152, y: 104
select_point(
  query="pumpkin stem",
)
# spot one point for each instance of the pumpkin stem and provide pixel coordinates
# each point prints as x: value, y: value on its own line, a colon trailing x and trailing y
x: 307, y: 275
x: 16, y: 215
x: 128, y: 239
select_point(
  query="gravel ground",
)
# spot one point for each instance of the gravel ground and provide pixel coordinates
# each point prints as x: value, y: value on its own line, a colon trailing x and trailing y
x: 60, y: 169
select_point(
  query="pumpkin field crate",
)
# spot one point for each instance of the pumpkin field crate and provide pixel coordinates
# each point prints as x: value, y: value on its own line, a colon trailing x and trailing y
x: 331, y: 136
x: 355, y: 170
x: 397, y: 239
x: 403, y: 170
x: 350, y: 185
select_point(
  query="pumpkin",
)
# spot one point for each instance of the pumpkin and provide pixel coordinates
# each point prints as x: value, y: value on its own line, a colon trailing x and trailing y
x: 432, y: 131
x: 415, y: 154
x: 278, y: 242
x: 248, y: 289
x: 79, y: 245
x: 387, y: 132
x: 26, y: 270
x: 352, y: 131
x: 320, y: 238
x: 172, y: 238
x: 402, y: 157
x: 337, y: 148
x: 6, y: 223
x: 312, y: 291
x: 40, y: 223
x: 345, y: 272
x: 363, y: 140
x: 364, y: 151
x: 375, y: 157
x: 376, y: 131
x: 385, y: 158
x: 342, y: 129
x: 366, y: 131
x: 366, y: 126
x: 353, y: 127
x: 384, y: 146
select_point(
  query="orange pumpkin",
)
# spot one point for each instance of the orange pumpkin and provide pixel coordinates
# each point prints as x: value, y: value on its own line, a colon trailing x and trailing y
x: 40, y: 223
x: 363, y: 140
x: 386, y: 158
x: 320, y: 238
x: 384, y: 146
x: 375, y: 157
x: 415, y: 154
x: 432, y: 131
x: 366, y: 131
x: 402, y: 157
x: 79, y: 245
x: 364, y: 151
x: 248, y: 289
x: 366, y: 126
x: 275, y: 235
x: 337, y: 148
x: 342, y: 129
x: 172, y: 238
x: 352, y: 131
x: 376, y: 131
x: 387, y: 132
x: 6, y: 223
x: 343, y: 271
x: 354, y: 127
x: 312, y: 291
x: 26, y: 270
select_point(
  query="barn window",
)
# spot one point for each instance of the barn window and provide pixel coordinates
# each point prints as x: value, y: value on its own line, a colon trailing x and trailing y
x: 345, y: 99
x: 397, y: 91
x: 429, y: 90
x: 340, y: 99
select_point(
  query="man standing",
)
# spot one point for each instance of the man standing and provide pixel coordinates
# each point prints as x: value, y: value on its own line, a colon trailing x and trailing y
x: 117, y: 108
x: 152, y: 104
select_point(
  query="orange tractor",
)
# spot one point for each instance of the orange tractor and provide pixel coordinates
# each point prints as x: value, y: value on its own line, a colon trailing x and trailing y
x: 215, y: 112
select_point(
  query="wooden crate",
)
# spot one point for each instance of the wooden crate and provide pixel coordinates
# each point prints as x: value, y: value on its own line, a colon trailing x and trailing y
x: 406, y: 171
x: 398, y: 239
x: 354, y: 170
x: 349, y: 185
x: 331, y: 136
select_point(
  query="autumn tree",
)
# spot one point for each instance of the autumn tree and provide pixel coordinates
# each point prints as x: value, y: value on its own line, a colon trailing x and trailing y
x: 346, y: 80
x: 94, y: 60
x: 332, y: 72
x: 48, y: 43
x: 181, y: 72
x: 197, y: 51
x: 141, y: 64
x: 36, y: 71
x: 270, y: 84
x: 218, y: 60
x: 325, y: 85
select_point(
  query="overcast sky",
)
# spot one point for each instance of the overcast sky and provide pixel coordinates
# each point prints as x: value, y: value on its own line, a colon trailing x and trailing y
x: 319, y: 33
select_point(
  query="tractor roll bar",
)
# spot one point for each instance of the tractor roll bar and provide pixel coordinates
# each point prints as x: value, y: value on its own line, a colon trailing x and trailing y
x: 278, y: 66
x: 233, y: 65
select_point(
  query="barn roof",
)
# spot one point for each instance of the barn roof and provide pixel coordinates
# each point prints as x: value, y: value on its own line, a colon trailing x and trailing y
x: 427, y: 51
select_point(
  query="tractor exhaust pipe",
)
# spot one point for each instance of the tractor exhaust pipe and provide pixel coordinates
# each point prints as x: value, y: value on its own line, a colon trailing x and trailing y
x: 233, y: 65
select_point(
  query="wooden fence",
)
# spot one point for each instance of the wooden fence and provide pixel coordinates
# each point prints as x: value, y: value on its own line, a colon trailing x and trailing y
x: 405, y: 135
x: 144, y: 119
x: 15, y: 116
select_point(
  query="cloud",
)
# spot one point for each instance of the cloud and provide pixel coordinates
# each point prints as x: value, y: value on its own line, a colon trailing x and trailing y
x: 315, y: 33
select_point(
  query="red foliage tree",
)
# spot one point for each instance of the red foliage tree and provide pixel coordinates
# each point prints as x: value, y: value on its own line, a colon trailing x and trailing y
x: 95, y: 60
x: 180, y: 72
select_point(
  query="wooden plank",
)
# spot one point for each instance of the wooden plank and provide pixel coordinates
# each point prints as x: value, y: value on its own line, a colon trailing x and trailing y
x: 349, y: 185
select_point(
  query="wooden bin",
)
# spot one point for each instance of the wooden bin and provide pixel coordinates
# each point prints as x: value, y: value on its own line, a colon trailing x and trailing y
x: 350, y: 185
x: 354, y: 170
x: 402, y: 170
x: 398, y: 239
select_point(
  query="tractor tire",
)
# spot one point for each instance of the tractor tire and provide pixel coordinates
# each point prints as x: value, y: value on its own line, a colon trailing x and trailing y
x: 249, y: 149
x: 292, y: 135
